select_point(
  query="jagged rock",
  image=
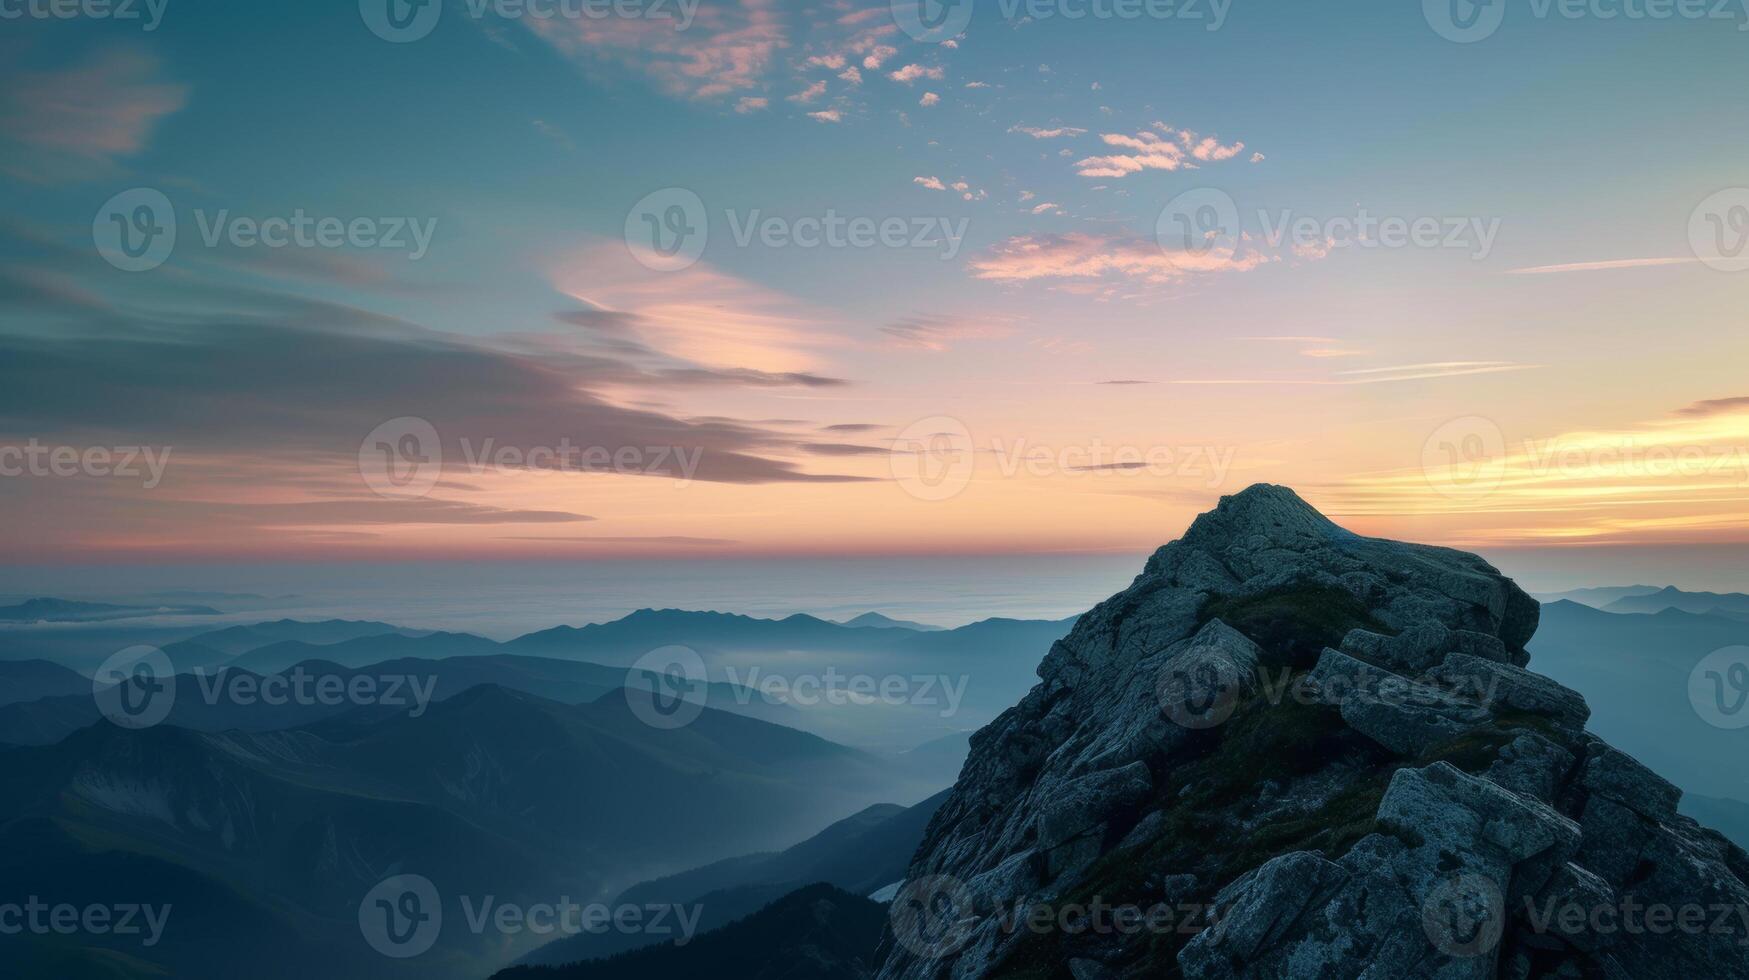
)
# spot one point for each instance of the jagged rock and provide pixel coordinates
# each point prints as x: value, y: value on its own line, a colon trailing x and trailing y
x: 1615, y: 775
x: 1422, y: 647
x: 1404, y: 716
x: 1328, y: 849
x: 1563, y: 909
x: 1513, y: 688
x: 1532, y: 766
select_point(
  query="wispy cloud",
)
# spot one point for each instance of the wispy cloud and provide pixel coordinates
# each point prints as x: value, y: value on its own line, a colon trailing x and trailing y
x: 1047, y: 134
x: 100, y: 109
x: 1543, y: 270
x: 729, y: 48
x: 1159, y: 148
x: 1082, y: 256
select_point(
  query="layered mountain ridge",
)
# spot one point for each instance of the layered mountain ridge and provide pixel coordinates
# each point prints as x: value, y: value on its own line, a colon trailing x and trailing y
x: 1328, y: 747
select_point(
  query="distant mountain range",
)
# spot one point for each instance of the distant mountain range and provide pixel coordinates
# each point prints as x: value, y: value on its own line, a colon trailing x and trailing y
x: 1733, y: 605
x: 65, y: 704
x: 961, y: 677
x: 268, y: 841
x: 816, y: 933
x: 1598, y: 597
x: 74, y: 611
x: 1633, y: 669
x: 861, y: 854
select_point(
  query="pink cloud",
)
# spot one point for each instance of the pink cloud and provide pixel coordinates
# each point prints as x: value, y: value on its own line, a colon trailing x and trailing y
x: 697, y: 314
x: 911, y: 73
x: 933, y: 183
x: 810, y: 93
x: 1151, y: 151
x: 751, y: 104
x: 929, y: 99
x: 728, y: 48
x: 827, y: 116
x: 1080, y: 256
x: 104, y: 107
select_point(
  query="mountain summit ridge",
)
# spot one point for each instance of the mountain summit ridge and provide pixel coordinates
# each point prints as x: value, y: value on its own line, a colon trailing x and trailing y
x: 1330, y: 747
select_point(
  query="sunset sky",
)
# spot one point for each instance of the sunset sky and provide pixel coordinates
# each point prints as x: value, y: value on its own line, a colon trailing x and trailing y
x: 1034, y: 362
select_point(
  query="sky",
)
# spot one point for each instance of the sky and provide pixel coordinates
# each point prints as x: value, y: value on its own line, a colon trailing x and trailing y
x: 493, y: 280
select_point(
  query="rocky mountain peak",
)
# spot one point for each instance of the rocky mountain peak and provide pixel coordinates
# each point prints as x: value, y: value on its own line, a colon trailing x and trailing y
x: 1321, y: 755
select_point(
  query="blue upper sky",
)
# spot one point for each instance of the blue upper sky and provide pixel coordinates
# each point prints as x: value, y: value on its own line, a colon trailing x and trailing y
x: 1031, y: 159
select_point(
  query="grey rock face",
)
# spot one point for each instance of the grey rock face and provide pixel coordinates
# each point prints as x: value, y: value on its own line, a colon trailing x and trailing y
x: 1408, y: 802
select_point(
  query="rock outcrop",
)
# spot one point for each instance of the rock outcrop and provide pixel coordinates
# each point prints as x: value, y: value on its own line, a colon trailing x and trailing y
x: 1287, y: 750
